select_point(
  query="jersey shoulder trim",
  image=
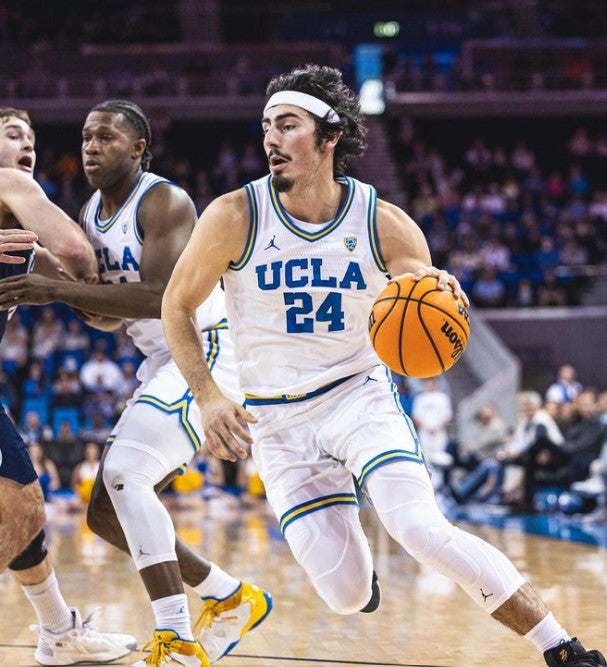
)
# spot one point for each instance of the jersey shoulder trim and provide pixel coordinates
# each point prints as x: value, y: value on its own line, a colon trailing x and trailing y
x: 241, y: 262
x: 372, y: 228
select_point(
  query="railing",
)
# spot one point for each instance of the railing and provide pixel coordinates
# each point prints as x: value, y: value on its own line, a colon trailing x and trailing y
x: 498, y: 371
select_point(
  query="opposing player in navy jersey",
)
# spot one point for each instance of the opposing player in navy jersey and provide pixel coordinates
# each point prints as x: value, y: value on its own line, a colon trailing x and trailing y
x: 29, y: 221
x: 303, y: 252
x: 138, y: 224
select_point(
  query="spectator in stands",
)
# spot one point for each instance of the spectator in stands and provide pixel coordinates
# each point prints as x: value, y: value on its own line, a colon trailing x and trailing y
x: 66, y: 390
x: 99, y: 373
x: 33, y: 429
x: 566, y: 388
x: 48, y: 334
x: 525, y: 294
x: 14, y: 350
x: 601, y: 406
x: 97, y: 431
x: 585, y: 437
x: 45, y: 468
x: 535, y: 428
x: 85, y: 472
x: 488, y: 291
x: 65, y: 449
x: 522, y: 158
x: 432, y: 414
x: 35, y: 383
x: 550, y: 292
x: 484, y: 481
x: 129, y: 382
x: 76, y: 341
x: 494, y: 253
x: 125, y: 348
x: 251, y: 164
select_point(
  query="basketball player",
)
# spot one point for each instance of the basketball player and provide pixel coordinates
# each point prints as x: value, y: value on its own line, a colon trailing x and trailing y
x: 303, y: 252
x: 138, y: 224
x: 27, y: 216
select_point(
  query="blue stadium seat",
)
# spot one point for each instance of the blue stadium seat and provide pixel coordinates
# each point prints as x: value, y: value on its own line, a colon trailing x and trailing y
x: 66, y: 414
x: 39, y: 404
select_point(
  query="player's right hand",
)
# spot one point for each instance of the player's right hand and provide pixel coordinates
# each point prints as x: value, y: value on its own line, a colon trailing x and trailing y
x: 224, y: 422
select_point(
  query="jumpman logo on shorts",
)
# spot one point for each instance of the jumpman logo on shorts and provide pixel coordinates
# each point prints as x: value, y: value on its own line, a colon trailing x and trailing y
x: 272, y: 244
x: 485, y: 596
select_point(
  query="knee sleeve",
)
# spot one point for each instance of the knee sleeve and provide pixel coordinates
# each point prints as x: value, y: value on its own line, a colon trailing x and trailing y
x: 32, y: 556
x: 331, y: 546
x: 403, y: 498
x: 130, y: 472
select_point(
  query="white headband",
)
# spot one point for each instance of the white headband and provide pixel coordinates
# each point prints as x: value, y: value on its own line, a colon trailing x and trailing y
x: 305, y: 101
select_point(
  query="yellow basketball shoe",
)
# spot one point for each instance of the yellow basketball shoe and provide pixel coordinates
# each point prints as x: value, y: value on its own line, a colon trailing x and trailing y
x: 168, y: 649
x: 223, y: 623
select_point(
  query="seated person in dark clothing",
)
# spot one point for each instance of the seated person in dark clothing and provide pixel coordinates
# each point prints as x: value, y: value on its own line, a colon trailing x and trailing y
x: 585, y: 436
x: 548, y: 463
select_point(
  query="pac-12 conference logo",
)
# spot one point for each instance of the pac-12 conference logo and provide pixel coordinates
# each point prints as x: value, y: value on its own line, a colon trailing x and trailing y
x: 350, y: 242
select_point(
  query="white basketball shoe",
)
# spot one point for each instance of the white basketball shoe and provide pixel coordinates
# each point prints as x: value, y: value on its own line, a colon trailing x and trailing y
x: 81, y: 643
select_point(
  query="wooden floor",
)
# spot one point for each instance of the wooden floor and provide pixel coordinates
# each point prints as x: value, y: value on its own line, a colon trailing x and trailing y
x: 423, y: 620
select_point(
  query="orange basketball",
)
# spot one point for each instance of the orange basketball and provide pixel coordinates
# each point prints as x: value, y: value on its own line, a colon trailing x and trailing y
x: 417, y: 329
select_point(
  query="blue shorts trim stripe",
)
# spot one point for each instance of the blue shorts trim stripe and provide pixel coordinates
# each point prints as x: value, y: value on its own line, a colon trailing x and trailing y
x: 251, y: 399
x: 314, y: 505
x: 385, y: 458
x: 181, y: 408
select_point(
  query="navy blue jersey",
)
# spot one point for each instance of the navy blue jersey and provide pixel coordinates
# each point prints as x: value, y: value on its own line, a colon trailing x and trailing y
x: 7, y: 270
x: 15, y: 462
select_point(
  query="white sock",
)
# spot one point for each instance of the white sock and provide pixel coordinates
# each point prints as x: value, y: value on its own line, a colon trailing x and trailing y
x: 49, y: 605
x: 547, y: 634
x: 218, y: 584
x: 172, y: 613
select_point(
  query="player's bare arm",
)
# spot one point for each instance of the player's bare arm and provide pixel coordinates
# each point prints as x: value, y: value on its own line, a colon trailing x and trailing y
x: 221, y: 233
x: 405, y: 250
x: 166, y: 216
x: 22, y: 197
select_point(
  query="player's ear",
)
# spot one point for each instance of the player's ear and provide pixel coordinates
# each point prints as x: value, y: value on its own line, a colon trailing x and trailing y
x: 330, y: 142
x: 138, y: 148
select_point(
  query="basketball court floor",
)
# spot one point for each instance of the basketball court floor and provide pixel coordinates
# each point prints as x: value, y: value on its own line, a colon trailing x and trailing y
x: 424, y: 620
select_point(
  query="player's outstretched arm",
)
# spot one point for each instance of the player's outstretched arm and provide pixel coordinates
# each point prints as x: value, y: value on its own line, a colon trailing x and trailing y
x: 218, y: 238
x: 25, y: 199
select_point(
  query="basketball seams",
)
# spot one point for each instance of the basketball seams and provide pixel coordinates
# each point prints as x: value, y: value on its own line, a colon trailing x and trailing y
x: 408, y: 301
x: 432, y: 332
x: 420, y: 300
x: 394, y: 300
x: 427, y: 332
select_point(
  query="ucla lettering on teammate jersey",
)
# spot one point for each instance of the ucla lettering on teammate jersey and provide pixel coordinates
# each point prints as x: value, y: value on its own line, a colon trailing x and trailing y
x: 320, y: 280
x: 118, y: 244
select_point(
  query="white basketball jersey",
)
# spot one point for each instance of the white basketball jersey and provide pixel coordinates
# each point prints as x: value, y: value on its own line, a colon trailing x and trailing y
x: 300, y: 296
x: 118, y: 243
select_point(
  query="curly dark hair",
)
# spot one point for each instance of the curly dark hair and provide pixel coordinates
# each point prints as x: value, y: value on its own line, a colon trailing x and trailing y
x: 326, y: 83
x: 134, y: 115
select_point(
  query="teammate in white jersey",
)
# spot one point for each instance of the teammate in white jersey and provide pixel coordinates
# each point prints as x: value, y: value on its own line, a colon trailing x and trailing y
x: 302, y: 253
x: 138, y: 224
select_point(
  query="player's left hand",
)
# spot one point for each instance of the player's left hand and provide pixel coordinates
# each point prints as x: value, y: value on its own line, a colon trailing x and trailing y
x: 446, y: 281
x: 31, y: 289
